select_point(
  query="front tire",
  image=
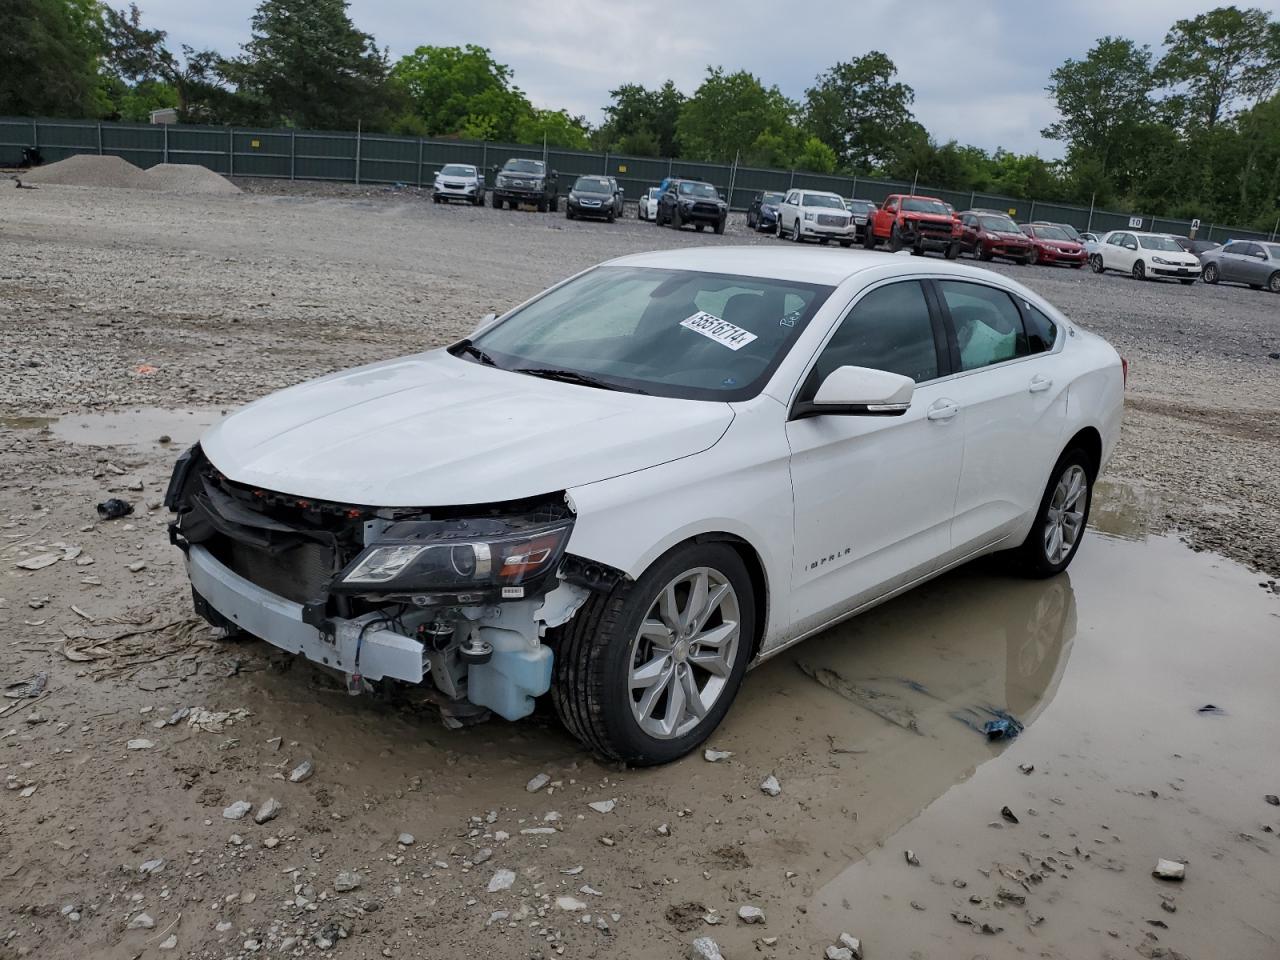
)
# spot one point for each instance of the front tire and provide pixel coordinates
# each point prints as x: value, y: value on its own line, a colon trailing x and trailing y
x: 1210, y: 273
x: 1060, y: 522
x: 646, y: 673
x: 796, y: 235
x: 677, y: 221
x: 895, y: 239
x: 1139, y: 270
x: 555, y: 204
x: 496, y: 201
x: 719, y: 226
x: 953, y: 250
x: 1096, y: 264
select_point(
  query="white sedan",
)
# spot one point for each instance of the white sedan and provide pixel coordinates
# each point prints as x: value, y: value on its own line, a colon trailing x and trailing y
x: 1144, y: 256
x: 647, y: 205
x: 656, y: 474
x: 805, y: 214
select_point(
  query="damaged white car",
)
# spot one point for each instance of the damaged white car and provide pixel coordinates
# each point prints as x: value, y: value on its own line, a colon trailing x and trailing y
x: 632, y: 487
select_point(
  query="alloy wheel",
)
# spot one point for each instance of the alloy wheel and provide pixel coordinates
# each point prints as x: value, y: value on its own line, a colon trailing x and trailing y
x: 1064, y: 520
x: 682, y: 656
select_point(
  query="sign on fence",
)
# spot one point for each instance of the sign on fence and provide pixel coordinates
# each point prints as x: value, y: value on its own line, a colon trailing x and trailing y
x: 1135, y: 223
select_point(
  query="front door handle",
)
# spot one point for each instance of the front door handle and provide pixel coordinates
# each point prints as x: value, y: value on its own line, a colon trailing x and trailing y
x: 1039, y: 384
x: 942, y: 410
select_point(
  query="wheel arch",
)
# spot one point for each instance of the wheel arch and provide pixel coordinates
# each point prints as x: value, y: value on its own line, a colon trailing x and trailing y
x: 755, y: 570
x: 1089, y: 440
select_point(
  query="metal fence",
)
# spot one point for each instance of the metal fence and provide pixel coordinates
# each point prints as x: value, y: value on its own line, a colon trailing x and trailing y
x: 357, y: 157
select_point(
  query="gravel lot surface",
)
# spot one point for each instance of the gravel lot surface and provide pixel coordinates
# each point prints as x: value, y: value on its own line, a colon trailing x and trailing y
x: 132, y: 316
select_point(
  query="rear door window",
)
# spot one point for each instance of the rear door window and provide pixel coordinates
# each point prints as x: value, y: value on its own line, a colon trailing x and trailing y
x: 987, y: 324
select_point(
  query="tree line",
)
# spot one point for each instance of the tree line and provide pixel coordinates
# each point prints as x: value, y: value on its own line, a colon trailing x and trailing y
x: 1194, y: 132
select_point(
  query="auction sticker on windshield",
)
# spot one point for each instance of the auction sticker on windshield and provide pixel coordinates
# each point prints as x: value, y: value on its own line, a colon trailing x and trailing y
x: 721, y: 331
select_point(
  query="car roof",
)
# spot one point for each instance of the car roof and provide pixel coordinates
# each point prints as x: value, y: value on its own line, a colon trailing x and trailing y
x: 803, y: 265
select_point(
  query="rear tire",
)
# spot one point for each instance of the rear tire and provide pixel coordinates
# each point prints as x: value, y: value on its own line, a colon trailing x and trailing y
x: 869, y: 239
x: 953, y: 250
x: 555, y: 204
x: 719, y: 226
x: 986, y: 256
x: 600, y: 653
x: 1273, y: 282
x: 895, y: 239
x: 676, y: 220
x: 542, y: 206
x: 1033, y: 258
x: 1058, y: 529
x: 497, y: 203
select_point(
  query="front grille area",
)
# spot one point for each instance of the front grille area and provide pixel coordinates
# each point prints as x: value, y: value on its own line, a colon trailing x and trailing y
x: 299, y: 573
x: 706, y: 210
x: 832, y: 220
x: 933, y: 229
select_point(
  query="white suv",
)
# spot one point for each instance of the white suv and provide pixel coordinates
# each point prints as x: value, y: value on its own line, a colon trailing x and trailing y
x: 458, y: 181
x: 813, y: 213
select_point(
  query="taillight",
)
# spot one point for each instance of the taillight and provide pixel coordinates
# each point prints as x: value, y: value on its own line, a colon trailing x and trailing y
x: 1124, y: 369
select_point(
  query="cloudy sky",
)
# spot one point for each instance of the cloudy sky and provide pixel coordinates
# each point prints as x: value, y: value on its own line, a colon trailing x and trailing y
x: 978, y: 67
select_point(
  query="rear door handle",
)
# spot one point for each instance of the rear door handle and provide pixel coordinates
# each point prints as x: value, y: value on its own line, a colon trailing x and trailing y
x: 1039, y: 384
x: 942, y: 410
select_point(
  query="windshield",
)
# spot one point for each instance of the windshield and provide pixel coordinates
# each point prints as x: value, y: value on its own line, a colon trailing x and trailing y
x: 823, y: 200
x: 593, y: 185
x: 1071, y: 232
x: 1273, y: 249
x: 523, y: 166
x: 1158, y: 243
x: 692, y: 189
x: 674, y: 333
x: 1051, y: 233
x: 860, y: 206
x: 773, y: 198
x: 457, y: 170
x: 999, y: 224
x: 920, y: 205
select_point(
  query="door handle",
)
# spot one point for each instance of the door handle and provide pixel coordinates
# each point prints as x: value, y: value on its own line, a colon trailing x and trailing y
x: 942, y: 410
x: 1039, y: 384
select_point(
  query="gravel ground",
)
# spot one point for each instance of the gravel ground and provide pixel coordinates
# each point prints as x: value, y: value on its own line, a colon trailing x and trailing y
x: 132, y: 316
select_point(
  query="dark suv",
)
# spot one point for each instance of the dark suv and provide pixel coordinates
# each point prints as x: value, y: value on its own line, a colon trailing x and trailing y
x: 692, y: 201
x: 594, y: 197
x: 525, y: 181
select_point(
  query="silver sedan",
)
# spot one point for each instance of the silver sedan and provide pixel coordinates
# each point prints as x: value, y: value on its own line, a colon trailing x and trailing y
x: 1243, y: 261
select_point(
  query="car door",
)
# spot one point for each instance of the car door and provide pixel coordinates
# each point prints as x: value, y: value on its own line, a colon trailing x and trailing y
x: 789, y: 210
x: 1254, y: 269
x: 1011, y: 382
x: 874, y: 495
x: 1121, y: 251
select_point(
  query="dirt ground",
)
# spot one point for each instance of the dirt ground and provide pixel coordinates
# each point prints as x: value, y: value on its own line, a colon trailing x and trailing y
x: 129, y: 317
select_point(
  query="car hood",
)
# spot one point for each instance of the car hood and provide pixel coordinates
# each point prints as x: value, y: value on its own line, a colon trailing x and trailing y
x: 437, y: 430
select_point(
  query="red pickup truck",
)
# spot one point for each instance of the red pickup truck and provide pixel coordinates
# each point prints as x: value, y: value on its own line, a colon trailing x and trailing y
x: 921, y: 223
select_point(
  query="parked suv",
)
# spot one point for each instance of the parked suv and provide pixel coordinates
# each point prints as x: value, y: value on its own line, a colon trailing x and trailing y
x: 862, y: 211
x: 921, y: 223
x: 526, y: 181
x: 986, y: 234
x: 594, y: 197
x: 692, y: 201
x: 817, y: 214
x: 458, y: 181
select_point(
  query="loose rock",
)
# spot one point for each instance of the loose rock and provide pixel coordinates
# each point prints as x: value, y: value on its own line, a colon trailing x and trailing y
x: 268, y: 811
x: 1169, y: 870
x: 852, y: 944
x: 771, y: 786
x: 502, y: 880
x: 749, y: 914
x: 537, y: 783
x: 302, y: 771
x: 141, y: 922
x: 140, y: 744
x: 347, y: 880
x: 237, y: 810
x: 715, y: 756
x: 704, y: 948
x: 603, y: 806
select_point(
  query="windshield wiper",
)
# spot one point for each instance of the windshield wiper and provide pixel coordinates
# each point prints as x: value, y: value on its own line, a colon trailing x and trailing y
x: 466, y: 346
x: 573, y: 376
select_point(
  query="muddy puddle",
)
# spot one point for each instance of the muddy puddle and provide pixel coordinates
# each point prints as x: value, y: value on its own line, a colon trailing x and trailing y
x: 136, y: 427
x: 874, y: 730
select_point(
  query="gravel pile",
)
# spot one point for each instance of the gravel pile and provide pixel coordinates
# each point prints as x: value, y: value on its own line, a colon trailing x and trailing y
x: 90, y: 170
x: 185, y: 178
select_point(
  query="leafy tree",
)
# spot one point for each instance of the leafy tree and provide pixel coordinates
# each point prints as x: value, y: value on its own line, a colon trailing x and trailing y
x: 49, y: 58
x: 461, y: 90
x: 1219, y: 59
x: 816, y: 156
x: 148, y: 76
x: 728, y: 113
x: 559, y: 129
x: 642, y: 121
x: 307, y: 65
x: 1101, y: 98
x: 859, y: 110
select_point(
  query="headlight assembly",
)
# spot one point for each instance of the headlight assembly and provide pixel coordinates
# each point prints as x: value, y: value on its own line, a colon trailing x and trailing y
x: 442, y: 560
x: 1163, y: 261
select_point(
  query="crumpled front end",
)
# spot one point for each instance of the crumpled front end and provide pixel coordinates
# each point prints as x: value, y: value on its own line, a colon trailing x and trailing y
x: 462, y: 595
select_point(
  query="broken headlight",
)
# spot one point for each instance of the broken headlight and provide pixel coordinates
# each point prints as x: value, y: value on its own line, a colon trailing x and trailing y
x: 456, y: 559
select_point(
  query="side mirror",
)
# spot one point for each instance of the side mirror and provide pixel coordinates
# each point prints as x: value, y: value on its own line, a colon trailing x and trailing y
x: 854, y: 391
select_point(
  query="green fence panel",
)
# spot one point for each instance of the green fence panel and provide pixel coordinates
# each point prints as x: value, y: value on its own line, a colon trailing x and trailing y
x: 206, y: 146
x: 436, y: 153
x: 324, y: 156
x: 142, y: 144
x: 259, y: 153
x: 635, y: 175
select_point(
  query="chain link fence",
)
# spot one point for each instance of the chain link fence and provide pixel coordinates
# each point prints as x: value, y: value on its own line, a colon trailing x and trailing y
x: 356, y: 157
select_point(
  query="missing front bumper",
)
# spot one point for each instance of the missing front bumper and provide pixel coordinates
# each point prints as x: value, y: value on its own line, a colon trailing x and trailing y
x: 383, y: 653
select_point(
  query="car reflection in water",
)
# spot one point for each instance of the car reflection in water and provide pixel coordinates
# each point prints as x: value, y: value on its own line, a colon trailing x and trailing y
x: 901, y: 688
